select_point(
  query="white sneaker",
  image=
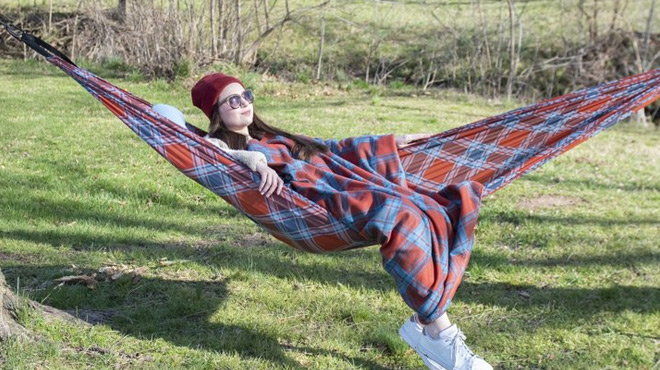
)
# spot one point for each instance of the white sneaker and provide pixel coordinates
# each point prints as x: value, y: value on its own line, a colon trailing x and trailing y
x: 450, y: 351
x: 411, y: 332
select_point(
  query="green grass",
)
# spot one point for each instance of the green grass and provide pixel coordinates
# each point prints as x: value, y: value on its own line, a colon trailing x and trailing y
x: 564, y: 272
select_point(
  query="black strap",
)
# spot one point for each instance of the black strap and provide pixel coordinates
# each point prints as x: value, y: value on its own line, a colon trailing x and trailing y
x: 37, y: 44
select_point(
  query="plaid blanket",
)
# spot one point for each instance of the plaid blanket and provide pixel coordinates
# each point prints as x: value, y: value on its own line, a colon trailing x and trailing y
x: 425, y: 236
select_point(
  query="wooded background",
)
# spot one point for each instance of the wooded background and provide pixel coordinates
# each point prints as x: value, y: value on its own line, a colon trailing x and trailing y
x: 515, y: 48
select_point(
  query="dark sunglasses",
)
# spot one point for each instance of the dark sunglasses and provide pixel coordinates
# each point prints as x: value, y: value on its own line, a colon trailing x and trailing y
x: 235, y: 100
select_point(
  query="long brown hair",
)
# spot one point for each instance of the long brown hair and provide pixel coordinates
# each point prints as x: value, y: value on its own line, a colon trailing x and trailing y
x: 304, y: 148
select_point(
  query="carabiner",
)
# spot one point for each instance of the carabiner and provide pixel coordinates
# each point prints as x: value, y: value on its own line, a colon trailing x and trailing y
x: 16, y: 32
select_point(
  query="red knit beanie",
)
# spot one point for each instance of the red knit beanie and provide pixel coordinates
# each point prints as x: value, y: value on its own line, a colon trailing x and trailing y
x: 206, y: 91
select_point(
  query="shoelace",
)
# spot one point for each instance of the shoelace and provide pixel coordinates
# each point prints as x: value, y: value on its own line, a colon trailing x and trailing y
x: 460, y: 335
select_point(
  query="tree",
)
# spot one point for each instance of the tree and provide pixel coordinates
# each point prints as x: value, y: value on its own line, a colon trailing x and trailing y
x: 11, y: 307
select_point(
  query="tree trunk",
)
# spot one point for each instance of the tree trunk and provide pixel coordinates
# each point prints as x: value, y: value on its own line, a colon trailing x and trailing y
x: 192, y: 29
x: 512, y: 48
x: 11, y: 306
x: 256, y: 16
x: 223, y: 26
x: 645, y: 62
x: 266, y: 13
x: 321, y: 42
x: 9, y: 327
x: 639, y: 117
x: 50, y: 17
x: 214, y: 35
x: 239, y: 36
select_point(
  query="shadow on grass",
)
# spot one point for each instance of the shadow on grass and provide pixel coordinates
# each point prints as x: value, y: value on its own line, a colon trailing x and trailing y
x: 574, y: 305
x: 278, y: 260
x: 490, y: 260
x: 178, y: 311
x: 183, y: 312
x: 518, y: 217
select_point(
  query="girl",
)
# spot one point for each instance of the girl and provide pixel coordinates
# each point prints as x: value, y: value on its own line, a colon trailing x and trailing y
x: 425, y: 266
x: 249, y: 158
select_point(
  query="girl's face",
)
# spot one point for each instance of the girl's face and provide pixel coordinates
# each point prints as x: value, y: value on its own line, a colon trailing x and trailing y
x: 239, y: 119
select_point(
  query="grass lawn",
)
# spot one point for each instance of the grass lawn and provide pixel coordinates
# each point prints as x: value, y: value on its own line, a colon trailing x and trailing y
x: 564, y: 272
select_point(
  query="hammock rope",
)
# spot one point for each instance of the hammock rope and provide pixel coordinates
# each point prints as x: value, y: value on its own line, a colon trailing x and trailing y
x: 493, y: 151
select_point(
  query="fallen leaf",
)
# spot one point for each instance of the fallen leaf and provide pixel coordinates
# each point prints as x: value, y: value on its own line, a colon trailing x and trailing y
x: 89, y: 280
x: 136, y: 274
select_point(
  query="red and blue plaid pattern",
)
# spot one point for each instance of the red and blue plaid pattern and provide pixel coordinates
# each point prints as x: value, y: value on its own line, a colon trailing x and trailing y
x: 426, y: 237
x: 500, y: 149
x: 419, y: 203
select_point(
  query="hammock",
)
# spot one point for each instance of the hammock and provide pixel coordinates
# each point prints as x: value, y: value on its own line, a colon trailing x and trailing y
x: 493, y: 151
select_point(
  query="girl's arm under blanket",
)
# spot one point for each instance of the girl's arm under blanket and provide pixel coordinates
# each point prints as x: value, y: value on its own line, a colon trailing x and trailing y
x: 248, y: 157
x: 370, y: 148
x: 374, y: 153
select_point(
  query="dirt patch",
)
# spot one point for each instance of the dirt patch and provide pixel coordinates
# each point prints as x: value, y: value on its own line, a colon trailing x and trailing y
x: 123, y: 360
x: 27, y: 259
x: 238, y: 237
x: 254, y: 240
x: 550, y: 201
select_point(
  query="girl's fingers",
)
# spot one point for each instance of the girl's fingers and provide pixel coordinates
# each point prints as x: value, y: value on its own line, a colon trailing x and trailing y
x: 277, y: 184
x: 270, y: 183
x: 269, y: 188
x: 278, y: 187
x: 265, y: 181
x: 265, y: 187
x: 273, y: 186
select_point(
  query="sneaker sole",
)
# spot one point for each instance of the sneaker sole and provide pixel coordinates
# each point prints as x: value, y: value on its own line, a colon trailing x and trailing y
x: 408, y: 333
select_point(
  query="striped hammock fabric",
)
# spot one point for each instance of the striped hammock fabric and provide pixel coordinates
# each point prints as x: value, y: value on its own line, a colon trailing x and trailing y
x: 497, y: 150
x: 493, y: 151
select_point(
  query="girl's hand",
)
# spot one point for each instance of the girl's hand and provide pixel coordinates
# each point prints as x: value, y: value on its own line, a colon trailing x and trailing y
x: 270, y: 180
x: 403, y: 140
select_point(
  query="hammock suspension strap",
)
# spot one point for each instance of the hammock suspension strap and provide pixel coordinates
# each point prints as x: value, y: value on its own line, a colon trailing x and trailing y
x: 37, y: 44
